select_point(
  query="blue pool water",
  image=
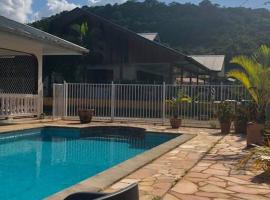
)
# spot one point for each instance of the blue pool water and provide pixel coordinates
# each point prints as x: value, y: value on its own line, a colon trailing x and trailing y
x: 40, y: 162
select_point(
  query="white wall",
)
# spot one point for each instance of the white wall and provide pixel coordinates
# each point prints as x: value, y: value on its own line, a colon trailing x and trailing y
x: 15, y: 43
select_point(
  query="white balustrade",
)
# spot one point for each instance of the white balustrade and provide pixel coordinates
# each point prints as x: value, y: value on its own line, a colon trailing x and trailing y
x: 15, y: 105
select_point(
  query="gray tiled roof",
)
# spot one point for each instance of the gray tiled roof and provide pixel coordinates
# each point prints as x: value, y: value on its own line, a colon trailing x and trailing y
x: 27, y: 31
x: 212, y: 62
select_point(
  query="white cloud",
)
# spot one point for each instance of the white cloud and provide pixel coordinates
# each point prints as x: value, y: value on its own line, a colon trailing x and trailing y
x: 18, y: 10
x: 56, y: 6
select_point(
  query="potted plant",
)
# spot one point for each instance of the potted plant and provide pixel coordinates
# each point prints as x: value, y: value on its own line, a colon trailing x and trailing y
x: 241, y: 118
x: 225, y: 116
x: 255, y: 125
x: 174, y: 104
x: 85, y: 115
x: 254, y: 75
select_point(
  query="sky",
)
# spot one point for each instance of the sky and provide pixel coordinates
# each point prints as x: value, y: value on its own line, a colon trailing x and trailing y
x: 30, y: 10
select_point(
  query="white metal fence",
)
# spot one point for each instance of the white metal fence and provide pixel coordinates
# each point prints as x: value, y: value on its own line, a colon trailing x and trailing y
x: 16, y: 105
x: 58, y: 101
x: 142, y: 102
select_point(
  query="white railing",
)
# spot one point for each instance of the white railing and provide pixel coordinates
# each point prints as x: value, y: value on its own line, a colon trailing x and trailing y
x: 58, y: 101
x: 145, y: 102
x: 16, y: 105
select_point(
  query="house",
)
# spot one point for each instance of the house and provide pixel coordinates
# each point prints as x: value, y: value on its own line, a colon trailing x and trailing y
x: 128, y: 57
x: 22, y: 48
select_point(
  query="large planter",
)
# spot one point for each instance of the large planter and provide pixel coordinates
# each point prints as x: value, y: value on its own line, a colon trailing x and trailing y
x: 254, y: 133
x: 85, y: 116
x: 240, y: 127
x: 175, y: 122
x: 225, y: 127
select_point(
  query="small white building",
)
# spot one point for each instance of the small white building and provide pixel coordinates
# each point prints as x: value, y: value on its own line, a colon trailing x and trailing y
x: 22, y: 48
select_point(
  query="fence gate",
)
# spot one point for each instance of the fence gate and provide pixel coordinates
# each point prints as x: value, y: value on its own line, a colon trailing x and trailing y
x: 143, y: 102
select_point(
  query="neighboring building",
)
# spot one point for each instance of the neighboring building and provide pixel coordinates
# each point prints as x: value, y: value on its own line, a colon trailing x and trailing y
x: 215, y: 63
x: 150, y: 36
x: 127, y: 56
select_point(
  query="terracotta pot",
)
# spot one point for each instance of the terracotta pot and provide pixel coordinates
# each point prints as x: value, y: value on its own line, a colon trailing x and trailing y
x: 175, y: 122
x: 225, y: 127
x: 85, y: 116
x: 254, y: 133
x: 240, y: 127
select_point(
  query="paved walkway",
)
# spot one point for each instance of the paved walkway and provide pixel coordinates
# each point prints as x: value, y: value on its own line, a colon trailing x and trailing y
x: 216, y: 177
x: 156, y: 178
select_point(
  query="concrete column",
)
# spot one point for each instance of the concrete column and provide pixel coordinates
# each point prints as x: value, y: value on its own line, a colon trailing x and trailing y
x: 40, y: 83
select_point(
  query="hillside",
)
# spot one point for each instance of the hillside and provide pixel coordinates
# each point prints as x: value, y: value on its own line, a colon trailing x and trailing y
x: 202, y: 29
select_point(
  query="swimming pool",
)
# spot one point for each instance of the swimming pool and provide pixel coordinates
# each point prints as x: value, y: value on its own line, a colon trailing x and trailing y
x: 39, y: 162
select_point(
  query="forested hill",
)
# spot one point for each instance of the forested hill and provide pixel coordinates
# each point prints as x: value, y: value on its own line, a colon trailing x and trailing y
x: 193, y: 29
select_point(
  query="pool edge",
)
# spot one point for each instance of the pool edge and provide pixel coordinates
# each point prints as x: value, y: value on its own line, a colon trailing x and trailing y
x: 110, y: 176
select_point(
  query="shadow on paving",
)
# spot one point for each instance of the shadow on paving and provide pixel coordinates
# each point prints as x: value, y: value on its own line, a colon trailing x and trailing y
x: 261, y: 178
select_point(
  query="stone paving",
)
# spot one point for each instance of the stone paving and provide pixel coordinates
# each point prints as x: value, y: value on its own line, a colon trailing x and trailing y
x: 156, y: 178
x: 216, y: 176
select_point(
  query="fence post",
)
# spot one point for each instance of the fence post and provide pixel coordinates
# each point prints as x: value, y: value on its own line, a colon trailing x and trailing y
x: 112, y: 101
x: 163, y: 103
x: 54, y: 103
x: 65, y: 98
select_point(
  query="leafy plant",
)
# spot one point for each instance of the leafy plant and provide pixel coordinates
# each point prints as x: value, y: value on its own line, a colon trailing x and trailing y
x: 225, y: 112
x: 176, y: 101
x: 241, y: 113
x: 254, y: 75
x: 258, y: 158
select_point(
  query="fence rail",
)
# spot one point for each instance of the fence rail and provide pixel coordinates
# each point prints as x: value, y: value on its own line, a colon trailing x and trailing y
x: 15, y: 105
x: 147, y: 102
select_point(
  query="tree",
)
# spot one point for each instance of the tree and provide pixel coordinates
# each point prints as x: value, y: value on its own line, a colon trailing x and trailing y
x: 254, y: 75
x: 206, y: 3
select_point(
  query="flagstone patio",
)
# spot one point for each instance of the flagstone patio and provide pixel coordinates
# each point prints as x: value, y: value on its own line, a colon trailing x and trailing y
x: 214, y: 177
x: 156, y: 178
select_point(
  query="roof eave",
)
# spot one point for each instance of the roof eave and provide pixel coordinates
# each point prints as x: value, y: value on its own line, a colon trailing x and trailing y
x: 69, y: 46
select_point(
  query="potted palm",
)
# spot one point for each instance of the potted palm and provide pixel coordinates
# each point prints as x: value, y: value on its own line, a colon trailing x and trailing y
x: 225, y: 116
x: 254, y: 75
x: 174, y: 105
x: 257, y: 159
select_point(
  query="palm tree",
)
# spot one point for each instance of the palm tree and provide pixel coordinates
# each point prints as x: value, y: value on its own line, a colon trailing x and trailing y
x: 254, y: 75
x: 81, y: 29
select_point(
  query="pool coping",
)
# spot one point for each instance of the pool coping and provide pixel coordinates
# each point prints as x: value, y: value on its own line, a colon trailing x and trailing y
x: 110, y: 176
